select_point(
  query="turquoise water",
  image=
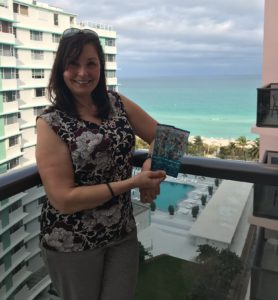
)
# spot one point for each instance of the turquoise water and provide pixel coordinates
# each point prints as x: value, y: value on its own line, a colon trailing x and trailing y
x: 206, y: 106
x: 171, y: 193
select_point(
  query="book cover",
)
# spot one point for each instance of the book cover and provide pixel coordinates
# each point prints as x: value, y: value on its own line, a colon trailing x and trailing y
x: 169, y: 148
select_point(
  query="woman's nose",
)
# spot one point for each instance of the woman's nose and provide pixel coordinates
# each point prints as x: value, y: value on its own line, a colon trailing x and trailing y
x: 82, y: 70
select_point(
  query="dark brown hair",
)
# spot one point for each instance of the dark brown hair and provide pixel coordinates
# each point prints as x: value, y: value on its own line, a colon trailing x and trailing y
x: 69, y: 49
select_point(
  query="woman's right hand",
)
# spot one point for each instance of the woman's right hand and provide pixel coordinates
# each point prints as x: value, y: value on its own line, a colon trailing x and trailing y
x: 149, y: 179
x: 148, y: 183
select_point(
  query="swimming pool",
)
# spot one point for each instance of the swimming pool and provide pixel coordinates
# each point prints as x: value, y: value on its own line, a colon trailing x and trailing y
x: 171, y: 193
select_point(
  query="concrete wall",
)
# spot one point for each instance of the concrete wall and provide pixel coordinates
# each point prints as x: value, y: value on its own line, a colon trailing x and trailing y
x: 270, y: 50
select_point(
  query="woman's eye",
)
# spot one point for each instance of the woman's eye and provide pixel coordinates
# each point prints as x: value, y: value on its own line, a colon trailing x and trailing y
x: 73, y: 63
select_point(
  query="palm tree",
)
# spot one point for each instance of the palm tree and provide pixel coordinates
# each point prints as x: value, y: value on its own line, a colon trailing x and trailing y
x: 153, y: 206
x: 242, y: 142
x: 204, y: 199
x: 199, y: 144
x: 255, y: 150
x: 195, y: 210
x: 171, y: 210
x: 232, y: 149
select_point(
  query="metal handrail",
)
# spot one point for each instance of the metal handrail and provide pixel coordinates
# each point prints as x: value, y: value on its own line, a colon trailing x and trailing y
x: 16, y: 181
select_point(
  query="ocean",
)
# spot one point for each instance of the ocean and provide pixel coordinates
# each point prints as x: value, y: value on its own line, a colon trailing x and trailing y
x: 215, y: 106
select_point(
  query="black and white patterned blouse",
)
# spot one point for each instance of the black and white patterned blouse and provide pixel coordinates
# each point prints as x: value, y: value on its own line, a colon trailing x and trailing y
x: 100, y: 153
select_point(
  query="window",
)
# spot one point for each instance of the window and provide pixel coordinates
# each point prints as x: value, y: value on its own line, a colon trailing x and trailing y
x: 14, y: 31
x: 16, y: 7
x: 6, y: 50
x: 56, y: 19
x: 10, y: 119
x: 112, y: 88
x: 36, y: 35
x: 110, y: 57
x: 15, y: 206
x: 10, y: 96
x: 24, y: 10
x: 37, y: 54
x: 39, y: 92
x: 37, y: 73
x: 13, y: 163
x: 41, y: 200
x: 71, y: 20
x: 38, y: 110
x: 6, y: 27
x: 16, y: 227
x: 13, y: 141
x: 4, y: 3
x: 56, y: 38
x: 20, y: 9
x: 9, y: 73
x: 110, y: 42
x: 110, y: 74
x: 13, y: 251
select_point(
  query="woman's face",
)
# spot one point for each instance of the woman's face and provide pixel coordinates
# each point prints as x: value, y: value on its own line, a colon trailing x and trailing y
x: 82, y: 75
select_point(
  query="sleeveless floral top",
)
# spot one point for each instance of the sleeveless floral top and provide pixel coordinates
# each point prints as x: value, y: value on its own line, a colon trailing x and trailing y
x: 100, y: 153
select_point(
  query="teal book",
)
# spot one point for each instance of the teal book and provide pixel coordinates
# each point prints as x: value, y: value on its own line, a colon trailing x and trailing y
x: 169, y: 148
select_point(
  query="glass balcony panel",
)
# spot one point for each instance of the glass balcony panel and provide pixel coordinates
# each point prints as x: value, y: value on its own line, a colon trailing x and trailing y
x: 266, y: 201
x: 265, y: 269
x: 267, y: 106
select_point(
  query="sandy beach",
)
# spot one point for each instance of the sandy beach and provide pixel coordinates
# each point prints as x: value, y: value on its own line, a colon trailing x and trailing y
x: 220, y: 142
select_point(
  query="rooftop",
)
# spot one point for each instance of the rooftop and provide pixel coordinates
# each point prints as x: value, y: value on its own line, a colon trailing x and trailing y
x: 220, y: 219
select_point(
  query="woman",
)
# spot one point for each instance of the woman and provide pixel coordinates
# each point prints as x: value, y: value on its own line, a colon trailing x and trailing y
x: 84, y: 148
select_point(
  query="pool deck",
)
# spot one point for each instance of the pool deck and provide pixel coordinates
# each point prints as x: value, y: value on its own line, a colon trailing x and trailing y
x: 173, y: 235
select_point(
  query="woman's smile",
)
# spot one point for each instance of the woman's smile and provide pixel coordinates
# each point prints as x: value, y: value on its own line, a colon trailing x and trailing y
x: 82, y: 75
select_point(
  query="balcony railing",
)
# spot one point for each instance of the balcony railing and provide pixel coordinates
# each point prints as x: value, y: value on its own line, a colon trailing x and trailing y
x: 20, y: 180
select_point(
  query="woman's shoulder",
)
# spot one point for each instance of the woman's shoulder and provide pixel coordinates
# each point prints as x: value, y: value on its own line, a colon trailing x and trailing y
x: 53, y: 115
x: 116, y: 101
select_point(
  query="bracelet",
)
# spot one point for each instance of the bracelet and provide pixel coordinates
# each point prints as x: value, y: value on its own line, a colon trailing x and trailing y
x: 149, y: 156
x: 111, y: 190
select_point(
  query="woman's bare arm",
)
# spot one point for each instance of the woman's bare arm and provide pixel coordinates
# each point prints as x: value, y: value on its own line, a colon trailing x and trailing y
x: 56, y: 171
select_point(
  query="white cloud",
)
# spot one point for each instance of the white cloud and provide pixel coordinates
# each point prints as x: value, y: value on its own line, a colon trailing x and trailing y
x: 217, y: 36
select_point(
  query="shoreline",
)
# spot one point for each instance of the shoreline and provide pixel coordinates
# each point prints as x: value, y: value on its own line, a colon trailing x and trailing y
x: 211, y: 141
x: 220, y: 142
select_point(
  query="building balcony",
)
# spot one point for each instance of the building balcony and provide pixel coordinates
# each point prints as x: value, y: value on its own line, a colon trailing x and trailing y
x: 8, y: 61
x: 230, y: 205
x: 9, y: 38
x: 111, y: 65
x: 110, y: 50
x: 10, y: 107
x: 111, y: 81
x: 11, y: 129
x: 9, y: 84
x: 266, y: 196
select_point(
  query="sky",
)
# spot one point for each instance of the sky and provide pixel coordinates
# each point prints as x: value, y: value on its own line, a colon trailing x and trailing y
x: 179, y: 37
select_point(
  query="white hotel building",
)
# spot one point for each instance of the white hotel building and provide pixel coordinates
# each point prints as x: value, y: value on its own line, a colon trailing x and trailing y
x: 29, y: 36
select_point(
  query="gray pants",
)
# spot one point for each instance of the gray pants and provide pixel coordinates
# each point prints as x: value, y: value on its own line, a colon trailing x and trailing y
x: 100, y: 274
